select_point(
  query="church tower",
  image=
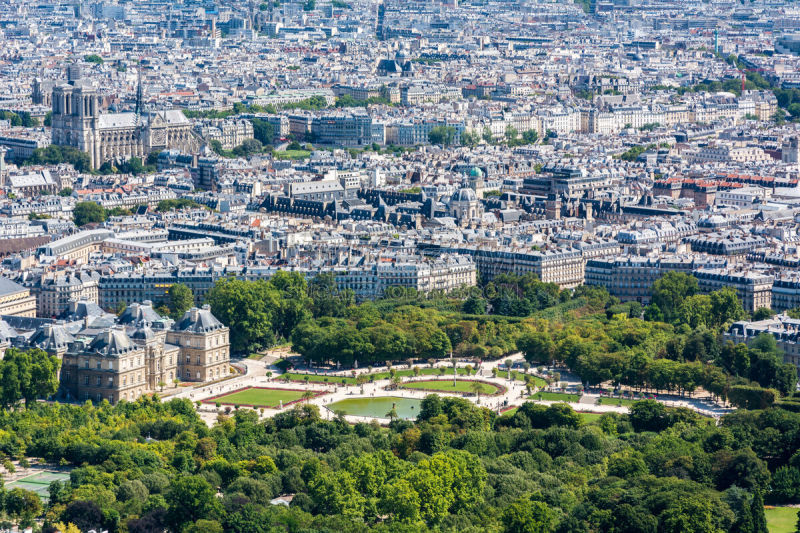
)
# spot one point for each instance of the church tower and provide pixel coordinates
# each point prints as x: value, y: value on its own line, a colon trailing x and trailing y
x: 76, y: 113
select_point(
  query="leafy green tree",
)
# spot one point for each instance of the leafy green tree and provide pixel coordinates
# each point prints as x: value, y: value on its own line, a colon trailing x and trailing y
x: 751, y: 397
x: 248, y: 309
x: 726, y: 306
x: 181, y: 299
x: 133, y: 166
x: 55, y: 155
x: 785, y: 486
x: 263, y: 131
x: 84, y: 514
x: 336, y: 493
x: 176, y: 203
x: 28, y: 375
x: 696, y: 310
x: 759, y: 516
x: 204, y: 526
x: 511, y: 134
x: 530, y: 136
x: 327, y: 299
x: 670, y: 291
x: 442, y: 135
x: 474, y: 305
x: 763, y: 313
x: 248, y: 148
x: 691, y: 514
x: 648, y: 415
x: 191, y: 498
x: 470, y: 138
x: 88, y: 213
x: 526, y: 516
x: 537, y: 347
x: 400, y: 501
x: 22, y: 504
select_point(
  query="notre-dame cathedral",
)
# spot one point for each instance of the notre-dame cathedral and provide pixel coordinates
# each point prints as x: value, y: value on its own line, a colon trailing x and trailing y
x: 78, y: 122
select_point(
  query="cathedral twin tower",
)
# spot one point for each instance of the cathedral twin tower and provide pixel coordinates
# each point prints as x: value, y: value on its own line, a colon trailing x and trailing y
x: 78, y: 122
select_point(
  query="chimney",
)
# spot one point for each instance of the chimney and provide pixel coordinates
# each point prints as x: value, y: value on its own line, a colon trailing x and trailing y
x: 194, y: 313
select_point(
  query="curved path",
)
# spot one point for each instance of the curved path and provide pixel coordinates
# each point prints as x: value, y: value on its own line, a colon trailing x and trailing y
x: 515, y: 392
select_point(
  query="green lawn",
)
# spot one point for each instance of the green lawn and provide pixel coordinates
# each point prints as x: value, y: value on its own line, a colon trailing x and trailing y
x: 258, y: 397
x: 781, y: 519
x: 520, y: 376
x: 626, y: 402
x: 590, y: 418
x: 447, y: 386
x: 292, y: 154
x: 556, y: 397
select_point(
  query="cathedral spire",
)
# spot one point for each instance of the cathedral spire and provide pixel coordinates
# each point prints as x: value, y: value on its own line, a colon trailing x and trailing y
x: 139, y: 95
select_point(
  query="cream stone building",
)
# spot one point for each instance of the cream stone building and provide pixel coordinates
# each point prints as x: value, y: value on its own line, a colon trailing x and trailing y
x: 16, y: 300
x: 141, y: 352
x: 204, y: 345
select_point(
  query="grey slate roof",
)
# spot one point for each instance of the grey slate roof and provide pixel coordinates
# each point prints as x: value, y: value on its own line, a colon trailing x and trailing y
x: 198, y: 321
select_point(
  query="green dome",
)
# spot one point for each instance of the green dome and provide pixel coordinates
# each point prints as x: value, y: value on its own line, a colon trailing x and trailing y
x: 475, y: 172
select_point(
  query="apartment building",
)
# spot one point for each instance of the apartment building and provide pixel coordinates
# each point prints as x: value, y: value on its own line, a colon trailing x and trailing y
x: 754, y: 289
x: 442, y: 274
x: 56, y: 292
x: 728, y: 244
x: 229, y: 132
x: 16, y: 300
x: 784, y: 329
x: 76, y: 247
x: 786, y: 291
x: 342, y: 129
x: 631, y: 278
x: 564, y: 267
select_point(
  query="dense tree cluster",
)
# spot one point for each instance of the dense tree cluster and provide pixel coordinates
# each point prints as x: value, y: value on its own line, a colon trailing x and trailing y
x: 348, y: 101
x: 263, y: 131
x: 678, y: 347
x: 19, y: 118
x: 133, y: 165
x: 442, y: 135
x: 27, y: 375
x: 177, y: 203
x: 152, y: 466
x: 88, y: 213
x: 260, y: 312
x: 56, y: 155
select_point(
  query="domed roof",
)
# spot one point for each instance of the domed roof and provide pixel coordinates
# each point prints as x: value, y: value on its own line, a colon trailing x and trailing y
x: 144, y: 333
x: 51, y: 337
x: 464, y: 195
x: 142, y: 313
x: 198, y: 321
x: 111, y: 342
x: 475, y: 172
